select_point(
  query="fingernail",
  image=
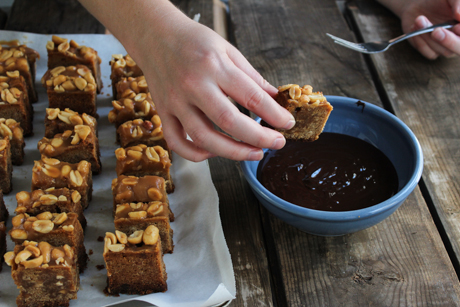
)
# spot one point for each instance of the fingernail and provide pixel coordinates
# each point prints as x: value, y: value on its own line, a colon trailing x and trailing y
x: 290, y: 124
x: 278, y: 143
x: 439, y: 35
x: 255, y: 155
x: 425, y: 23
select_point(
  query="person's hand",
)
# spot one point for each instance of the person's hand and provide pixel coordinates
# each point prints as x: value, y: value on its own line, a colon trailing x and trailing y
x: 190, y: 71
x: 419, y: 14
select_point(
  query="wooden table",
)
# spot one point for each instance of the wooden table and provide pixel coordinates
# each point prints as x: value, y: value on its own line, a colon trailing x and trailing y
x: 411, y: 258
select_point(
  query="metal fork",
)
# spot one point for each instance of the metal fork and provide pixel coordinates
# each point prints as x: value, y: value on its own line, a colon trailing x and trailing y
x: 376, y: 47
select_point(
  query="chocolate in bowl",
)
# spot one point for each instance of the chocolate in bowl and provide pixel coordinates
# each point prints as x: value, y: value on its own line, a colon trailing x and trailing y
x: 337, y: 172
x: 369, y: 123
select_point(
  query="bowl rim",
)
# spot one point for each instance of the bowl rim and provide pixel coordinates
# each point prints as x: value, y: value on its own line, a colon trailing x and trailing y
x: 341, y: 216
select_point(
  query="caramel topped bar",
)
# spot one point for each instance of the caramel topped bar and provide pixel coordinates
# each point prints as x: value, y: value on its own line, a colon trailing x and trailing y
x: 52, y: 173
x: 125, y: 109
x: 130, y: 87
x: 73, y: 146
x: 140, y: 131
x: 310, y: 110
x: 138, y: 216
x: 76, y: 78
x: 131, y: 189
x: 53, y: 268
x: 6, y: 167
x: 123, y: 67
x: 72, y: 87
x: 135, y: 263
x: 52, y: 200
x: 58, y: 121
x: 31, y: 255
x: 22, y: 59
x: 142, y: 160
x: 61, y: 52
x: 13, y: 79
x: 55, y: 228
x: 14, y: 100
x: 12, y: 130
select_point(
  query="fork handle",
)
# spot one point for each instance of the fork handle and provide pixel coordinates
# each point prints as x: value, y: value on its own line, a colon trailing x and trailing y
x: 445, y: 25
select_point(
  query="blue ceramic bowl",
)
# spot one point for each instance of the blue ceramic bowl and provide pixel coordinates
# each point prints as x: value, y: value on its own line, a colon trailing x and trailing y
x: 375, y: 126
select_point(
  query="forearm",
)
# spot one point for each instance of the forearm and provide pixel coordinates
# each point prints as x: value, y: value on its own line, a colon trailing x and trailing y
x: 136, y: 21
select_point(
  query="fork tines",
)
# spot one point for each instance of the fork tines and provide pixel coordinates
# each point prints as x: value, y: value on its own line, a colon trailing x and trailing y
x: 346, y: 43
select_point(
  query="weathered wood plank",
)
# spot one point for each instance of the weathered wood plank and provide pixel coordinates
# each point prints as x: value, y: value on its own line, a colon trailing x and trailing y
x: 286, y: 42
x: 239, y: 211
x: 425, y: 94
x: 402, y: 260
x: 52, y: 16
x: 240, y: 217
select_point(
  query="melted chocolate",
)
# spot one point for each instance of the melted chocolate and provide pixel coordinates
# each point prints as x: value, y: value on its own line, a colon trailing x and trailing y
x: 334, y: 173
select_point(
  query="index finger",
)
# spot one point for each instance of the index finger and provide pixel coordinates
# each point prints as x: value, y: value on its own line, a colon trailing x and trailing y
x: 244, y: 90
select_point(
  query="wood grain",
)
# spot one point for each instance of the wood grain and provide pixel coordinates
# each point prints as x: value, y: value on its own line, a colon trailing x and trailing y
x: 425, y: 95
x: 52, y: 16
x: 239, y: 210
x: 286, y: 42
x: 399, y: 262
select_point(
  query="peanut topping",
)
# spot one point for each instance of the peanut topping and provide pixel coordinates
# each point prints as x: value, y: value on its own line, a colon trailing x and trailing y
x: 136, y: 205
x: 154, y: 194
x: 18, y: 220
x: 9, y: 258
x: 69, y: 79
x: 45, y: 249
x: 76, y: 196
x: 120, y: 153
x: 136, y: 237
x: 45, y: 215
x: 57, y: 145
x: 11, y: 129
x: 62, y: 175
x: 22, y: 256
x: 33, y: 249
x: 122, y: 237
x: 117, y: 243
x: 43, y: 226
x: 136, y: 155
x: 138, y: 214
x: 40, y: 254
x: 129, y: 189
x: 83, y: 131
x: 29, y: 264
x: 68, y: 228
x: 70, y: 117
x: 304, y: 95
x: 151, y: 235
x: 112, y: 237
x: 3, y: 144
x: 18, y: 234
x: 141, y: 130
x: 116, y: 247
x: 60, y: 218
x: 155, y: 208
x: 48, y: 199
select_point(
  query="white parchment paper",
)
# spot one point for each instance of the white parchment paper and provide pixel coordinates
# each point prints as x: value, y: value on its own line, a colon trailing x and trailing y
x: 200, y: 271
